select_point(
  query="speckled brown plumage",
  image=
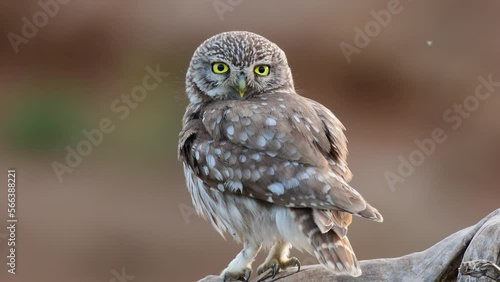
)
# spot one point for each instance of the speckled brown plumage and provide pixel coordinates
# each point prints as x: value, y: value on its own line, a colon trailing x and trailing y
x: 268, y: 166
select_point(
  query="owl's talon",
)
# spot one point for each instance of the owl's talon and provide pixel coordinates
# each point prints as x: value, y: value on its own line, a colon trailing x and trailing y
x: 295, y: 262
x: 243, y: 275
x: 275, y: 270
x: 277, y: 266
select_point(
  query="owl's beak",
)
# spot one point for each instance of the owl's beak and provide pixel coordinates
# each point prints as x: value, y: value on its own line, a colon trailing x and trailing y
x: 242, y: 86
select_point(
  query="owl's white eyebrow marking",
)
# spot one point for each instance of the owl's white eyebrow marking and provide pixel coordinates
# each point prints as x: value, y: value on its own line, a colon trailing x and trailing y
x: 277, y: 188
x: 270, y: 121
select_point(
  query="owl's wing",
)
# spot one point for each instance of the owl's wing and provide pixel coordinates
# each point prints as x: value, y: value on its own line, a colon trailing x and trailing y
x: 336, y: 148
x: 226, y: 164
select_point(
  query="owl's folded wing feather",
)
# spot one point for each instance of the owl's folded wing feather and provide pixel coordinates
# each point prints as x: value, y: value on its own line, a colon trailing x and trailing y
x: 235, y: 168
x: 336, y: 149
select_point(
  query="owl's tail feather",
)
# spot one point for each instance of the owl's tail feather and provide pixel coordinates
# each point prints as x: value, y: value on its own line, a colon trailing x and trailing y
x: 371, y: 213
x: 333, y: 252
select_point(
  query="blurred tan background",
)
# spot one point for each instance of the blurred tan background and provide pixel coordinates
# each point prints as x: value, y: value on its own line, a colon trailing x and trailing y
x: 126, y: 205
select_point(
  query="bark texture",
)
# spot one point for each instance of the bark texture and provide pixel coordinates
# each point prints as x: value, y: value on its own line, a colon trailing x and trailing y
x: 475, y: 251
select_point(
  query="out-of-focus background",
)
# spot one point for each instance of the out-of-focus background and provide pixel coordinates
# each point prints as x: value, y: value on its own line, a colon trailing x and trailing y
x: 123, y: 208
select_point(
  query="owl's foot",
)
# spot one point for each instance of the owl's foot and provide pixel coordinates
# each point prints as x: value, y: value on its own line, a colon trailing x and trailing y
x: 243, y: 275
x: 240, y: 268
x: 277, y: 265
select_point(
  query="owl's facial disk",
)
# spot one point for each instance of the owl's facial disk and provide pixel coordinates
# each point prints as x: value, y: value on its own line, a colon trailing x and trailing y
x: 232, y: 82
x: 236, y: 65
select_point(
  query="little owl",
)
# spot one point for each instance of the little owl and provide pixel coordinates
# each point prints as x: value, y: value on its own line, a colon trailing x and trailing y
x: 263, y: 163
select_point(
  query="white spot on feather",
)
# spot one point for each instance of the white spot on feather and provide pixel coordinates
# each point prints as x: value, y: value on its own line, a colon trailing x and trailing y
x: 235, y: 186
x: 261, y: 141
x: 270, y: 121
x: 220, y: 187
x: 277, y: 188
x: 243, y: 158
x: 210, y: 160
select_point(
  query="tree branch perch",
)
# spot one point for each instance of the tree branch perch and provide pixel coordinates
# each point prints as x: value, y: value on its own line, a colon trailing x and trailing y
x: 474, y: 250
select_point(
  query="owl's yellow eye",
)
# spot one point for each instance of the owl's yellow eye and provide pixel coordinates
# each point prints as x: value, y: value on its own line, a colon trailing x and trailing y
x: 220, y: 68
x: 262, y: 70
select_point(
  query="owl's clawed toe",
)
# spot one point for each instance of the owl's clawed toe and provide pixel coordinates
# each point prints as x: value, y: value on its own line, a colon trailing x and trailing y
x: 243, y: 275
x: 277, y: 265
x: 294, y: 262
x: 272, y: 265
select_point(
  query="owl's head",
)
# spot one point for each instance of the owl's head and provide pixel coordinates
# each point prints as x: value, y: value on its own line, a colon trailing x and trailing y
x: 236, y: 65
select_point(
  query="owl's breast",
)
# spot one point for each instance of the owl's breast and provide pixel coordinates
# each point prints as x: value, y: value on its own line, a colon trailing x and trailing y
x: 243, y: 217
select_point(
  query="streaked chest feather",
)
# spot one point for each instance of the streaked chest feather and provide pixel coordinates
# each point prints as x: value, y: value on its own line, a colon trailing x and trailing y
x: 242, y: 217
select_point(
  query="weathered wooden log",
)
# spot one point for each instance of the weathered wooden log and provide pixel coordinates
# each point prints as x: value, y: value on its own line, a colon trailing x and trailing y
x: 475, y: 250
x: 480, y: 268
